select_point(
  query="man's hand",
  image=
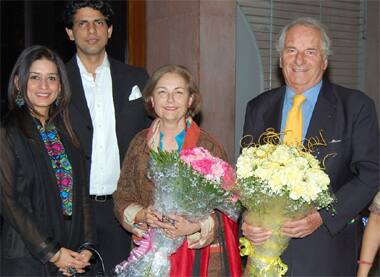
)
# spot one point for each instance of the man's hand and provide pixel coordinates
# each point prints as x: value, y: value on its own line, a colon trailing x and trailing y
x: 302, y: 227
x: 257, y: 235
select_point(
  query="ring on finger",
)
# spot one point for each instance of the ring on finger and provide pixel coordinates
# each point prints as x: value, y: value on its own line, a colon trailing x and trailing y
x: 71, y: 270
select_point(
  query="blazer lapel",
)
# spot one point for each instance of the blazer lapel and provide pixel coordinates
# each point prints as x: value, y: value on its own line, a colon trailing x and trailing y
x: 77, y: 92
x: 118, y: 87
x: 323, y: 119
x: 273, y: 115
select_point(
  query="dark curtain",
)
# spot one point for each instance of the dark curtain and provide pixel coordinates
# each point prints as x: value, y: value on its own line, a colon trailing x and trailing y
x: 25, y: 23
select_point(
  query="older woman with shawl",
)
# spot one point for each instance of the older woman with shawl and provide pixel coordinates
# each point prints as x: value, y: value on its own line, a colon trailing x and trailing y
x: 211, y: 247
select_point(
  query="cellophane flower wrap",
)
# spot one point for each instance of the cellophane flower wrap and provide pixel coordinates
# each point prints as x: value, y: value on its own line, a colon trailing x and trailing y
x: 277, y: 182
x: 191, y: 183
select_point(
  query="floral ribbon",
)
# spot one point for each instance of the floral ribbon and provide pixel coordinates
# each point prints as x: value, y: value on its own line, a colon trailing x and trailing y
x: 273, y: 263
x: 144, y: 245
x: 246, y: 248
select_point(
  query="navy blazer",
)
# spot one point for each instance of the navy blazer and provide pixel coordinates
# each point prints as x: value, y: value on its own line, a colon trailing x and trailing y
x: 130, y: 115
x: 349, y: 124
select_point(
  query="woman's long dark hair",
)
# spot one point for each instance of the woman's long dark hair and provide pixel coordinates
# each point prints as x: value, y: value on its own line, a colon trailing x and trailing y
x: 21, y: 71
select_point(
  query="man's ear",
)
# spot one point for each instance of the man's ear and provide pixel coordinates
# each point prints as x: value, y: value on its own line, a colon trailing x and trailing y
x: 69, y: 32
x: 109, y: 31
x: 325, y: 63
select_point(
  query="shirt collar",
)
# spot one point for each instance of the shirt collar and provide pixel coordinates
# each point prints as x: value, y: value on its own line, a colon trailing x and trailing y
x: 83, y: 71
x: 311, y: 94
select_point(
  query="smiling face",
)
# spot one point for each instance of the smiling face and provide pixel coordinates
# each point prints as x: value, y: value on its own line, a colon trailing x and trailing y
x: 171, y: 98
x: 302, y: 59
x: 90, y: 32
x: 43, y: 85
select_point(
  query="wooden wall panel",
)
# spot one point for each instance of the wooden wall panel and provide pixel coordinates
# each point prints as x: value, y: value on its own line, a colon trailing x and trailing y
x: 199, y: 34
x: 136, y: 32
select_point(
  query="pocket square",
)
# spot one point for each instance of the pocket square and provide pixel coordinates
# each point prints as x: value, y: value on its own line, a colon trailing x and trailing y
x: 335, y: 141
x: 135, y: 93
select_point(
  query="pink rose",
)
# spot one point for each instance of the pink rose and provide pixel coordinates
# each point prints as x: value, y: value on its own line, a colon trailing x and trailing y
x: 203, y: 166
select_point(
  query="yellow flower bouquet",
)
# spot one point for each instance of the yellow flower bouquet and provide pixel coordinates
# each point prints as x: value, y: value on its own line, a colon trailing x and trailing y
x: 277, y: 182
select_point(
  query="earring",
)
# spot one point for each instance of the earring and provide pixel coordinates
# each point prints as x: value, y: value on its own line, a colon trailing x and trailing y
x: 57, y: 100
x: 19, y: 100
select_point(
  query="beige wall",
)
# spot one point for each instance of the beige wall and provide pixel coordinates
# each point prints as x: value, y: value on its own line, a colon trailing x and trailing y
x: 200, y: 35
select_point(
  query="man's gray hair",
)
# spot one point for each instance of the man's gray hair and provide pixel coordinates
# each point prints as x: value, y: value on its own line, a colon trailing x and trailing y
x: 308, y: 22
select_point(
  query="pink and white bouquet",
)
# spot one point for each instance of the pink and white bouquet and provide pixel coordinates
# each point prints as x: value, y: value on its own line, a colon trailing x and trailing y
x: 191, y: 183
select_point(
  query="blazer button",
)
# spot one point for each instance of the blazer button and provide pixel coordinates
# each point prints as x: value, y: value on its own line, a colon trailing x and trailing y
x: 89, y: 127
x: 88, y: 157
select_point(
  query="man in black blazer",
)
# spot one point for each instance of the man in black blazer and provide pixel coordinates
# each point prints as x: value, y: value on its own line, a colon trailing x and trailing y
x: 322, y: 244
x: 106, y: 111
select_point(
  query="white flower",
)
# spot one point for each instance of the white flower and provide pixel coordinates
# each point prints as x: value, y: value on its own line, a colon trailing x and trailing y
x: 297, y: 190
x: 276, y: 183
x: 292, y: 174
x: 301, y: 163
x: 318, y: 177
x: 313, y: 162
x: 281, y: 155
x: 264, y: 173
x: 283, y: 170
x: 245, y: 166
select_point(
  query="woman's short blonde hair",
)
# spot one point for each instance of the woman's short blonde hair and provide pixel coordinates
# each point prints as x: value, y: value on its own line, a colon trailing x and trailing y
x: 185, y: 74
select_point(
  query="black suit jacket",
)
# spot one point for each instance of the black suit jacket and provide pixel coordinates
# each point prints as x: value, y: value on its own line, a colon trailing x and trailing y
x: 130, y: 115
x: 349, y: 123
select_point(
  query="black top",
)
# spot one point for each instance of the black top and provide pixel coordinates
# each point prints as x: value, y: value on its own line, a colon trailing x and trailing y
x: 33, y: 224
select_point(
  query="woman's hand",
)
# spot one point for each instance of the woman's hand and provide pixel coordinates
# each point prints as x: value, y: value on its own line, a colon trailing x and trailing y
x: 141, y: 222
x: 154, y: 219
x: 173, y: 226
x: 65, y: 259
x: 85, y: 256
x: 182, y: 227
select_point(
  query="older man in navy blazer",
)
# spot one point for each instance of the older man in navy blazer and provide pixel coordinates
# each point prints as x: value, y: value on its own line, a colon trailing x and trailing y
x: 322, y: 244
x: 107, y: 110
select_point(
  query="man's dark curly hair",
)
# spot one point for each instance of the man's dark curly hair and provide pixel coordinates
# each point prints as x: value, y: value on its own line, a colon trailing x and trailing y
x: 101, y: 5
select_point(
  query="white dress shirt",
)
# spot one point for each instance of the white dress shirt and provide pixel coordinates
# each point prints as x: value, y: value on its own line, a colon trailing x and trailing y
x: 105, y: 160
